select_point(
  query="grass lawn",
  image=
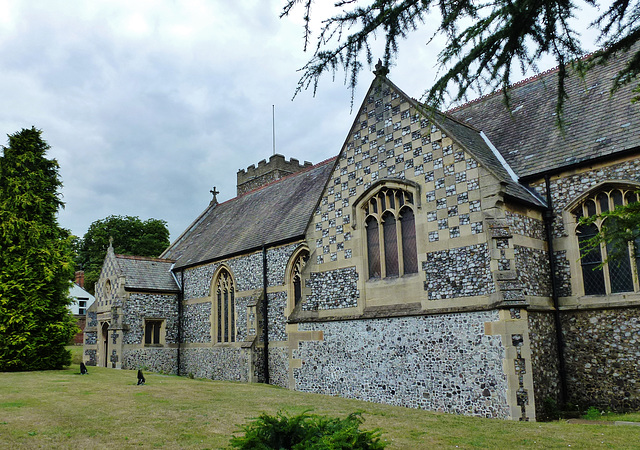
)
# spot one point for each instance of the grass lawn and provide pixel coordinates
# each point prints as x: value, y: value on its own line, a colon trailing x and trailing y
x: 105, y: 409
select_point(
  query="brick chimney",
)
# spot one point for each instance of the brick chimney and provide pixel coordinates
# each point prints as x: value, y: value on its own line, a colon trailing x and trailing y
x: 80, y: 278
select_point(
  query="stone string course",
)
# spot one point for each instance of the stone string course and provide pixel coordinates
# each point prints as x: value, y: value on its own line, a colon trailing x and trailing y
x: 544, y: 360
x: 197, y: 323
x: 217, y: 363
x: 333, y: 289
x: 150, y: 306
x: 532, y: 266
x: 458, y: 272
x: 440, y: 363
x: 603, y: 357
x: 153, y: 359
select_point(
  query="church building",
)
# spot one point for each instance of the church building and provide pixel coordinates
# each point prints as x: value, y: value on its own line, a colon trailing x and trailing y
x: 434, y: 263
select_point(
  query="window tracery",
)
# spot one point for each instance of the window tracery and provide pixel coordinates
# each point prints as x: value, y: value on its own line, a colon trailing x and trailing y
x: 615, y: 276
x: 390, y: 233
x: 225, y: 307
x: 296, y: 275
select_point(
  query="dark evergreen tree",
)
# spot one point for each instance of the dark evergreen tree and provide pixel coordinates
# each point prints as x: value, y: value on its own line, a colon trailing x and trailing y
x: 486, y: 41
x: 36, y: 261
x: 131, y: 236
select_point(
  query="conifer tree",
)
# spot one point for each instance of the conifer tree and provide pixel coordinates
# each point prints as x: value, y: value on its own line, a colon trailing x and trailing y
x: 36, y: 262
x: 485, y: 41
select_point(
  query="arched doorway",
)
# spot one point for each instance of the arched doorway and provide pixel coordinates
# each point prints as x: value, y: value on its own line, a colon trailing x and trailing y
x: 105, y: 344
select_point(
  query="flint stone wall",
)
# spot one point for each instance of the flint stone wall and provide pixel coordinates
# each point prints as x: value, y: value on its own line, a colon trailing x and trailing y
x: 151, y: 306
x: 279, y: 366
x: 603, y: 358
x: 458, y: 272
x: 90, y: 337
x: 544, y: 361
x: 532, y: 266
x: 152, y: 359
x: 246, y: 271
x: 441, y: 363
x: 218, y: 363
x: 91, y: 357
x: 197, y: 323
x: 333, y: 289
x: 566, y: 190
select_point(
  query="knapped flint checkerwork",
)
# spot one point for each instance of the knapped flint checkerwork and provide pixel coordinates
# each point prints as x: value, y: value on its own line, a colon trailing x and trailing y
x: 391, y: 139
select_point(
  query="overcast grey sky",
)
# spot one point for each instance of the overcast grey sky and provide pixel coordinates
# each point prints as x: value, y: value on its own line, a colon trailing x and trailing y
x: 149, y: 104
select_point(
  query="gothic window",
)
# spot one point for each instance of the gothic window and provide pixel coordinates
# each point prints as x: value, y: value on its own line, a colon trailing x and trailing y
x: 296, y: 275
x: 616, y: 275
x: 152, y: 330
x: 391, y: 234
x: 225, y: 308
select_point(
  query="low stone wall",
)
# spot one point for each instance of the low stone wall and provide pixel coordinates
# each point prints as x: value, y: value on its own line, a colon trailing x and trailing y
x: 441, y: 363
x: 603, y: 358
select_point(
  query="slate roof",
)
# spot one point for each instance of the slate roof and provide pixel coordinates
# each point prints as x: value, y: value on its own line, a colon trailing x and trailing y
x: 146, y: 274
x: 471, y: 140
x: 597, y: 124
x: 277, y: 212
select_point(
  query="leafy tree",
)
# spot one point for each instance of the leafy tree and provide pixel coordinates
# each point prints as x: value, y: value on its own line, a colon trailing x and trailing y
x: 485, y: 40
x: 131, y: 236
x: 36, y: 262
x: 619, y: 227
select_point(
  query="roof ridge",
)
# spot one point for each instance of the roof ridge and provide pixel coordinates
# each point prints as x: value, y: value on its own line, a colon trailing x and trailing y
x: 306, y: 169
x: 522, y: 82
x: 145, y: 258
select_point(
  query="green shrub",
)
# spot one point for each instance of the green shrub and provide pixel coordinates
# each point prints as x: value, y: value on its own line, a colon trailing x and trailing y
x: 592, y: 413
x: 307, y: 431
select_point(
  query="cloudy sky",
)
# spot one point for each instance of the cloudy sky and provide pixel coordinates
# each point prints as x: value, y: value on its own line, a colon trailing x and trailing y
x: 149, y: 104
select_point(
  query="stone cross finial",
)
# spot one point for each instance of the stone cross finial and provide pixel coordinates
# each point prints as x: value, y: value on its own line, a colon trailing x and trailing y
x: 110, y: 241
x: 214, y: 192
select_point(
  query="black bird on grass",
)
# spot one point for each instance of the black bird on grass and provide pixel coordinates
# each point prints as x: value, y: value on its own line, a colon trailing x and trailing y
x: 83, y: 369
x: 141, y: 379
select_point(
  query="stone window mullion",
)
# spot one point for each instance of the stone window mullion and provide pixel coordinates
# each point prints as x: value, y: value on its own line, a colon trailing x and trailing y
x: 399, y: 245
x: 383, y: 265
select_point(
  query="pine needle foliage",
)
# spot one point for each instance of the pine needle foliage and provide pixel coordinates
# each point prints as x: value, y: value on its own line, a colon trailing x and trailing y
x: 307, y: 432
x: 486, y: 41
x: 36, y: 262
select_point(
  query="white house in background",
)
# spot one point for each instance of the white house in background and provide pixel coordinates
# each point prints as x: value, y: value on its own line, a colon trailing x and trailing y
x: 82, y: 300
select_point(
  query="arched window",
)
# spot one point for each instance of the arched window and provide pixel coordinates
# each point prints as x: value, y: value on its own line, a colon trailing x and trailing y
x: 616, y: 275
x: 391, y: 234
x: 225, y: 308
x: 296, y: 275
